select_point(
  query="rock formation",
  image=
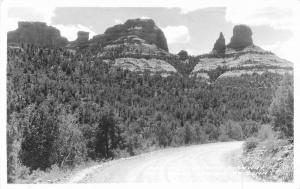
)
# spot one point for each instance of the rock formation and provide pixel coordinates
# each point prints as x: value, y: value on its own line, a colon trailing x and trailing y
x: 183, y: 55
x: 133, y: 31
x: 220, y: 46
x: 82, y: 36
x: 240, y: 56
x: 242, y: 37
x: 37, y: 33
x: 81, y: 41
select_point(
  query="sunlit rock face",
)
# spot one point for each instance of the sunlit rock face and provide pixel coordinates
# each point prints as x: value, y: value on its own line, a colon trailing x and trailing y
x: 242, y: 37
x: 36, y: 33
x: 136, y: 45
x: 239, y: 57
x: 133, y: 31
x: 251, y: 59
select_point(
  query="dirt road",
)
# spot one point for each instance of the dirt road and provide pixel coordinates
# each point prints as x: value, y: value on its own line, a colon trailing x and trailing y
x: 198, y: 163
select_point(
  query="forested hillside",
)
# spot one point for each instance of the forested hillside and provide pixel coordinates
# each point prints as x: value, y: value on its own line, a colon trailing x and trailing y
x: 66, y: 108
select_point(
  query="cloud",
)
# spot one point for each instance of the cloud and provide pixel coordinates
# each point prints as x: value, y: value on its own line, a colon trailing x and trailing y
x: 70, y: 31
x: 39, y: 12
x: 118, y: 21
x: 144, y: 17
x: 177, y: 34
x: 287, y: 49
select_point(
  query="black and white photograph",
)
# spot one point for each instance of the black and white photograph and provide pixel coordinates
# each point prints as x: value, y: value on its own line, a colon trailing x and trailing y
x: 187, y: 92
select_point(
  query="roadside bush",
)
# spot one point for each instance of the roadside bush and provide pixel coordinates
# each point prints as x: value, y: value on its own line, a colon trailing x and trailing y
x: 271, y: 160
x: 266, y: 132
x: 22, y: 172
x: 249, y: 145
x: 224, y: 133
x: 250, y: 128
x: 39, y: 135
x: 70, y: 146
x: 201, y: 136
x: 230, y: 130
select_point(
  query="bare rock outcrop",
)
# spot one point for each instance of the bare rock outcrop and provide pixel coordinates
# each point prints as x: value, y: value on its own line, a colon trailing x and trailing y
x: 220, y: 46
x: 242, y: 37
x: 133, y: 31
x: 37, y: 33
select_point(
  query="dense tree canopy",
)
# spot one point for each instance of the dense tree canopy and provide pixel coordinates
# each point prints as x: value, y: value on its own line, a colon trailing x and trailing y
x: 64, y: 109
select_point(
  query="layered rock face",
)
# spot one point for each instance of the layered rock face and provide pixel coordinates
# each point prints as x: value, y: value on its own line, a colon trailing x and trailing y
x: 220, y: 46
x: 37, y: 33
x: 133, y: 31
x: 242, y: 37
x: 136, y: 45
x: 240, y: 56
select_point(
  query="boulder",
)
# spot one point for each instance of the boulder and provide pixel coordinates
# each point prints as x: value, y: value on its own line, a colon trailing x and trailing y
x: 242, y: 37
x: 37, y: 33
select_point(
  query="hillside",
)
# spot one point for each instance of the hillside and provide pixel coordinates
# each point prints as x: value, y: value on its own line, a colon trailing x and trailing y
x: 122, y: 93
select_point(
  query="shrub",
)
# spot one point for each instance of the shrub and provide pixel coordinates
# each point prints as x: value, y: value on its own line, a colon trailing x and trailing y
x: 22, y: 172
x: 215, y: 73
x: 70, y: 146
x: 250, y: 128
x: 39, y: 133
x: 266, y: 132
x: 178, y: 137
x: 230, y: 130
x: 201, y: 136
x: 271, y: 160
x: 250, y: 145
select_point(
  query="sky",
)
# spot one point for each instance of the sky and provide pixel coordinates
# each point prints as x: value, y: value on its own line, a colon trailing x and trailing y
x: 190, y: 27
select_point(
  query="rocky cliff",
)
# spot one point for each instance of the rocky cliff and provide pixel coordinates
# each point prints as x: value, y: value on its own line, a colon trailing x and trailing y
x: 220, y: 46
x: 242, y: 37
x: 37, y: 33
x: 241, y: 56
x: 82, y: 40
x: 139, y: 45
x: 133, y: 31
x: 136, y: 45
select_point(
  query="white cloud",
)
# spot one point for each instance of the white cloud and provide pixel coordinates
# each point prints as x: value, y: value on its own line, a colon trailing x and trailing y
x: 118, y: 21
x: 11, y: 24
x: 39, y: 12
x: 277, y: 14
x: 177, y: 34
x: 144, y: 17
x: 70, y: 31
